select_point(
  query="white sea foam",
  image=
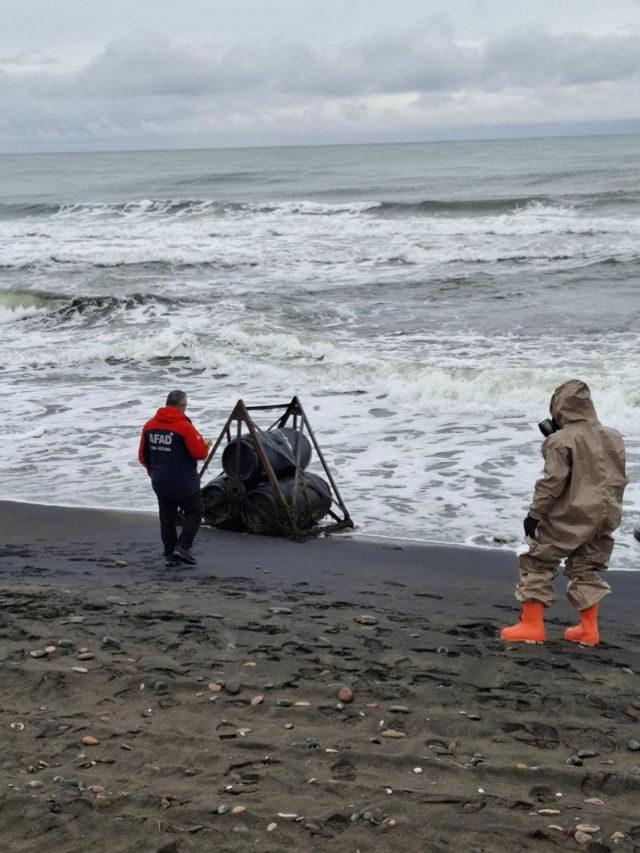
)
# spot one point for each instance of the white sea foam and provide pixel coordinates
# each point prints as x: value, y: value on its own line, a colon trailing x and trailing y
x: 142, y: 233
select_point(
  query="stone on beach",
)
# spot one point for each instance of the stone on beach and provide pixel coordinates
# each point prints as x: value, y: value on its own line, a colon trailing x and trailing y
x: 90, y: 741
x: 345, y: 694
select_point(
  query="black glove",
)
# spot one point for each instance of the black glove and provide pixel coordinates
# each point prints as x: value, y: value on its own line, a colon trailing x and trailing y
x: 530, y: 527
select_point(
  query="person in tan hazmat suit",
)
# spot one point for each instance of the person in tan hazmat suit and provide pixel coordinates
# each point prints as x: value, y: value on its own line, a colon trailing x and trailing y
x: 577, y: 504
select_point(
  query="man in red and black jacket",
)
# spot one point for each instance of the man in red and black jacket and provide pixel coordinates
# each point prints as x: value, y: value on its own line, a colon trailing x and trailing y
x: 170, y: 448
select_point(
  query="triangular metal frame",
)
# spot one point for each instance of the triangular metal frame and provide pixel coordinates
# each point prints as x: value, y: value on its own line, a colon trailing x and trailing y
x: 294, y: 412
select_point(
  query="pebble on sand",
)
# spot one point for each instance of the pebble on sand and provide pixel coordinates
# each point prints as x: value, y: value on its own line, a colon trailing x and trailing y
x: 79, y: 669
x: 232, y: 687
x: 114, y: 599
x: 271, y: 827
x: 618, y: 836
x: 582, y: 838
x: 38, y: 653
x: 90, y: 741
x: 591, y: 829
x: 345, y: 694
x: 634, y: 746
x: 365, y: 620
x: 85, y: 656
x: 302, y: 705
x: 257, y: 700
x: 130, y: 670
x: 215, y: 688
x: 391, y: 733
x: 49, y: 650
x: 239, y: 810
x: 594, y: 801
x: 548, y: 811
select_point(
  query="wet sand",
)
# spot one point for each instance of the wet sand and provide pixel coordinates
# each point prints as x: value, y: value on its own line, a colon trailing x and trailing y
x: 452, y: 739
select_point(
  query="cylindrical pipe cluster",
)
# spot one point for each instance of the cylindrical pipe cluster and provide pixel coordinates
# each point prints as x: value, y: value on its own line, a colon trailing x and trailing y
x: 243, y: 499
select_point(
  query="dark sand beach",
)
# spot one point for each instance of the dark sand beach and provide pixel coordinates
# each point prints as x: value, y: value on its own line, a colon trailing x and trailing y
x: 217, y: 688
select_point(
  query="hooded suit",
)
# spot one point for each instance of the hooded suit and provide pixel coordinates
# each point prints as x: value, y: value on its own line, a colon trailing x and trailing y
x: 578, y: 502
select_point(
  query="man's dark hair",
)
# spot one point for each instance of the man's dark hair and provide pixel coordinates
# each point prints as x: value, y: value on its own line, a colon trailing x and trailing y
x: 176, y: 398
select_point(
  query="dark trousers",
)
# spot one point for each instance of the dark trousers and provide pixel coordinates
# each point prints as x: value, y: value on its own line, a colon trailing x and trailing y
x: 193, y: 508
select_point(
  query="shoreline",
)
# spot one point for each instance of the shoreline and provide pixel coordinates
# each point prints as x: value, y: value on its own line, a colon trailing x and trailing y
x: 345, y: 534
x: 489, y: 574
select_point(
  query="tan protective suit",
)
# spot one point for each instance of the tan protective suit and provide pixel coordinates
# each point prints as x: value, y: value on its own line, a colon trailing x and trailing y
x: 578, y: 501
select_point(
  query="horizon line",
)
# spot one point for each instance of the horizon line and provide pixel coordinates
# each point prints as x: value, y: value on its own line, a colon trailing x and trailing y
x: 453, y: 140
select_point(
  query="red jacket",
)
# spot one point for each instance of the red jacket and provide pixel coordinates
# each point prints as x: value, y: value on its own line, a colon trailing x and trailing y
x: 170, y: 447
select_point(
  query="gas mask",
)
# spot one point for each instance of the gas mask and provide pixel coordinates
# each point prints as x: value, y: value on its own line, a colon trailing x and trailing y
x: 548, y: 427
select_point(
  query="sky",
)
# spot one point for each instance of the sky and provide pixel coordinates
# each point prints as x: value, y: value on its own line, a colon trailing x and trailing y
x: 78, y: 75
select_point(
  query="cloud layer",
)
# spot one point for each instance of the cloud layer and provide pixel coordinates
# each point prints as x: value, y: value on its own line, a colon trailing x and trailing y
x: 148, y: 90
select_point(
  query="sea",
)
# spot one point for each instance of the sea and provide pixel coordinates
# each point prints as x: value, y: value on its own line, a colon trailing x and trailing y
x: 423, y: 300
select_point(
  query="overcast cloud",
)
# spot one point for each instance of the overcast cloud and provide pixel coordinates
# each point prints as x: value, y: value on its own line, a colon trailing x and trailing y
x: 396, y: 78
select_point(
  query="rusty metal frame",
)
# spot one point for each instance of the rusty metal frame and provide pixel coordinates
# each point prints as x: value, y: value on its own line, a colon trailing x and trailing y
x: 292, y: 411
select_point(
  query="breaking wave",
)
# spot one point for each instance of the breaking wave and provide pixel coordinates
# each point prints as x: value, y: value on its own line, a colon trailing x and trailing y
x: 220, y: 208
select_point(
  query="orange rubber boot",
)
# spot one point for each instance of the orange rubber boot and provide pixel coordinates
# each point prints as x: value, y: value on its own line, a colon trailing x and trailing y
x: 530, y: 628
x: 586, y: 632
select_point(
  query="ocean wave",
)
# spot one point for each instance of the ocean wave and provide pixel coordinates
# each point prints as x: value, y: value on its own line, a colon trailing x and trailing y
x: 472, y: 374
x: 308, y: 251
x: 180, y: 208
x: 380, y: 208
x: 16, y: 305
